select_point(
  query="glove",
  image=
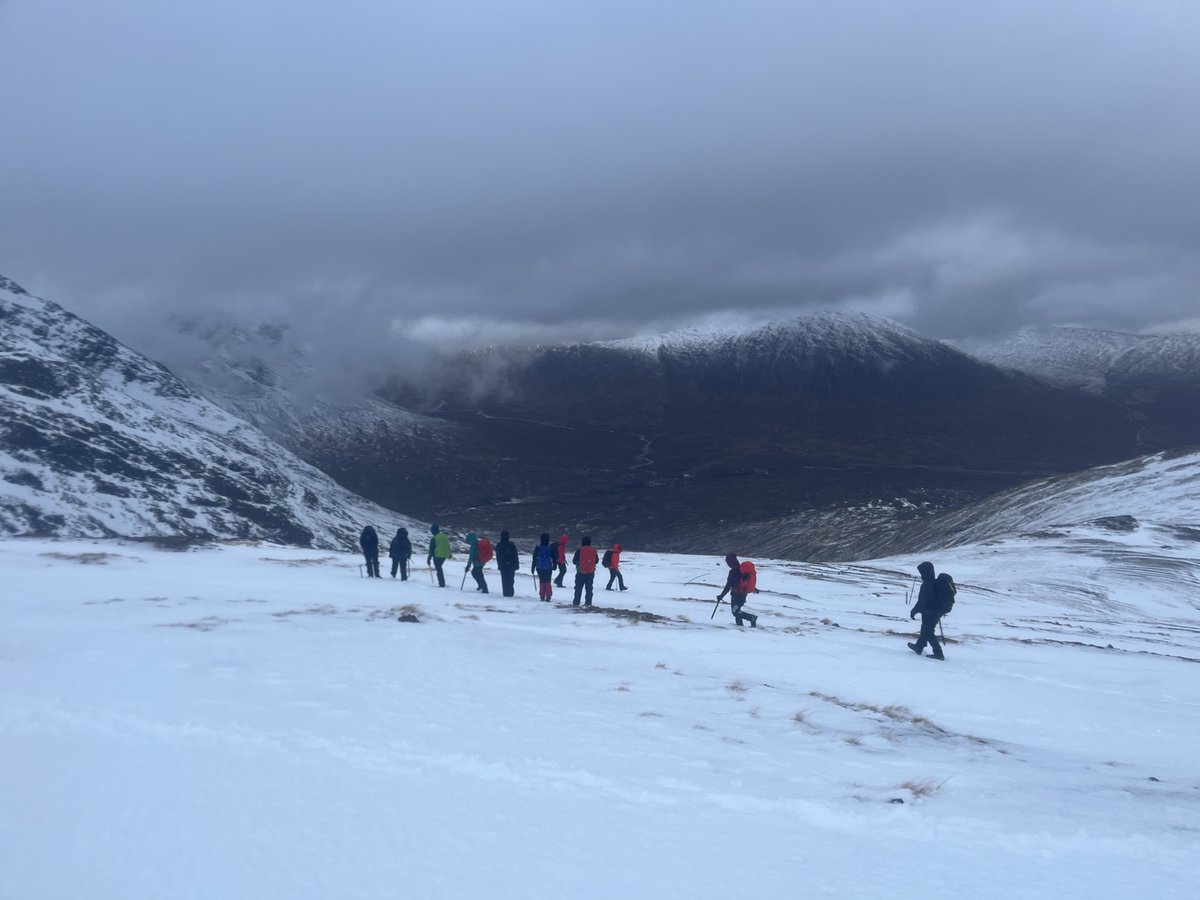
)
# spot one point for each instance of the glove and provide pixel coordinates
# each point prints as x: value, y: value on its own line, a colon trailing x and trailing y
x: 913, y: 614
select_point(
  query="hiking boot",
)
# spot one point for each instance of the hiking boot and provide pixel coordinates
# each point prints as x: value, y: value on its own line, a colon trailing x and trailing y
x: 753, y: 621
x: 920, y: 651
x: 624, y: 588
x: 574, y: 602
x: 587, y: 603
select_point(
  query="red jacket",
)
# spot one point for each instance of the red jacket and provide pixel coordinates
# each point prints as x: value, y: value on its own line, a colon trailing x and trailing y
x: 616, y: 557
x: 562, y: 550
x: 586, y: 558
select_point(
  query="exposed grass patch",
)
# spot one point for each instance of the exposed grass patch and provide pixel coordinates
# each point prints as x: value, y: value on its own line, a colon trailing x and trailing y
x: 301, y: 563
x: 854, y: 740
x: 323, y: 610
x: 799, y: 717
x: 208, y: 623
x: 661, y: 665
x: 84, y: 559
x: 737, y: 687
x: 925, y: 787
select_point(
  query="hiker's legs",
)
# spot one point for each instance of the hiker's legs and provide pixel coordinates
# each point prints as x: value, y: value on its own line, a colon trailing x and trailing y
x: 438, y: 562
x: 589, y: 581
x: 477, y: 574
x: 562, y: 573
x: 506, y: 582
x: 404, y: 570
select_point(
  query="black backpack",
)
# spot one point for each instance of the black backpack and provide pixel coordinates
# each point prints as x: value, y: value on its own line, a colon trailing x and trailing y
x: 606, y: 560
x: 944, y: 590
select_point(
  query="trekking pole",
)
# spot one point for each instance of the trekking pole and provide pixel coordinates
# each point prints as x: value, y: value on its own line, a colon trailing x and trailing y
x: 715, y: 605
x: 943, y: 634
x: 360, y: 574
x: 429, y: 569
x: 464, y: 581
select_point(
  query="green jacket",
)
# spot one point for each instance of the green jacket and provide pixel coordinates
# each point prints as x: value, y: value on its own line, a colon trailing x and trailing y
x: 439, y: 545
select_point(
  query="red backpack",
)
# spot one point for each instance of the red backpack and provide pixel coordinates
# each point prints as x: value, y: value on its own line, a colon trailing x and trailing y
x: 749, y: 578
x: 484, y: 551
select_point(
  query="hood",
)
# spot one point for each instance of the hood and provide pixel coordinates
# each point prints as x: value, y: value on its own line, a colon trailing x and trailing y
x: 433, y: 529
x: 504, y: 537
x: 471, y: 538
x: 401, y: 532
x: 563, y: 539
x: 926, y: 570
x: 544, y: 539
x: 731, y: 560
x: 586, y: 542
x: 616, y: 548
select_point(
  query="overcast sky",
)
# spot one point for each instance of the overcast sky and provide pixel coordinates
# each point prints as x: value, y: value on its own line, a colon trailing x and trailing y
x: 598, y: 168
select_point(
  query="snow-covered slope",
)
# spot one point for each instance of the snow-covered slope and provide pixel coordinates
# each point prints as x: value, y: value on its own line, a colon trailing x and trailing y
x: 251, y: 722
x: 1098, y: 361
x: 98, y: 440
x: 850, y: 336
x: 1163, y: 489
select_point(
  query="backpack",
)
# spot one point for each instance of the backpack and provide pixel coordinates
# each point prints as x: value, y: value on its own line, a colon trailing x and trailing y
x: 543, y: 557
x: 749, y: 578
x: 606, y: 561
x: 944, y: 590
x: 483, y: 551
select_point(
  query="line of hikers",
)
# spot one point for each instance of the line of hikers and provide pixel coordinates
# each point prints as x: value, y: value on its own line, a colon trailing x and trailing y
x: 546, y: 559
x: 934, y: 600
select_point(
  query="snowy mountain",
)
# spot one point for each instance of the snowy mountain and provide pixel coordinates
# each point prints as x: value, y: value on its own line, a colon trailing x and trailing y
x: 676, y: 442
x: 1155, y: 377
x: 98, y: 440
x: 250, y: 722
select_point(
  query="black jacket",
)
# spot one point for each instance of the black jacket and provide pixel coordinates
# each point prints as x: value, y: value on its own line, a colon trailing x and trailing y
x: 369, y: 540
x: 401, y: 546
x: 927, y: 598
x: 507, y: 557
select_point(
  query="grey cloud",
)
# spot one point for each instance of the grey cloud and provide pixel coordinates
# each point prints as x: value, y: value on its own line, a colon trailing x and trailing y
x: 593, y: 169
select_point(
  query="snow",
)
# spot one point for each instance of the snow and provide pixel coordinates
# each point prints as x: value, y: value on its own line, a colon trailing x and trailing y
x: 248, y: 720
x: 1090, y: 359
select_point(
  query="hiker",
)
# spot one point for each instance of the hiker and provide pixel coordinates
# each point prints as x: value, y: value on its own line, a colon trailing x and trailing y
x: 543, y: 567
x: 613, y: 564
x: 585, y: 560
x: 400, y: 550
x: 476, y: 559
x: 508, y: 560
x: 439, y: 552
x: 369, y: 541
x: 738, y: 583
x: 931, y: 611
x: 562, y: 560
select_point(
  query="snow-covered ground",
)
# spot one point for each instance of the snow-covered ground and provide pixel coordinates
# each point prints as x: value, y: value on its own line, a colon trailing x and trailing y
x: 249, y: 721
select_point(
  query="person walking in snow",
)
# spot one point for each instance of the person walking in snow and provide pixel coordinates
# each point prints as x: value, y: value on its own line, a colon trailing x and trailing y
x: 585, y: 561
x: 930, y: 609
x: 508, y: 561
x: 543, y: 567
x: 613, y: 565
x: 737, y: 586
x: 400, y: 550
x: 561, y: 553
x: 369, y: 542
x: 475, y: 562
x: 439, y: 552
